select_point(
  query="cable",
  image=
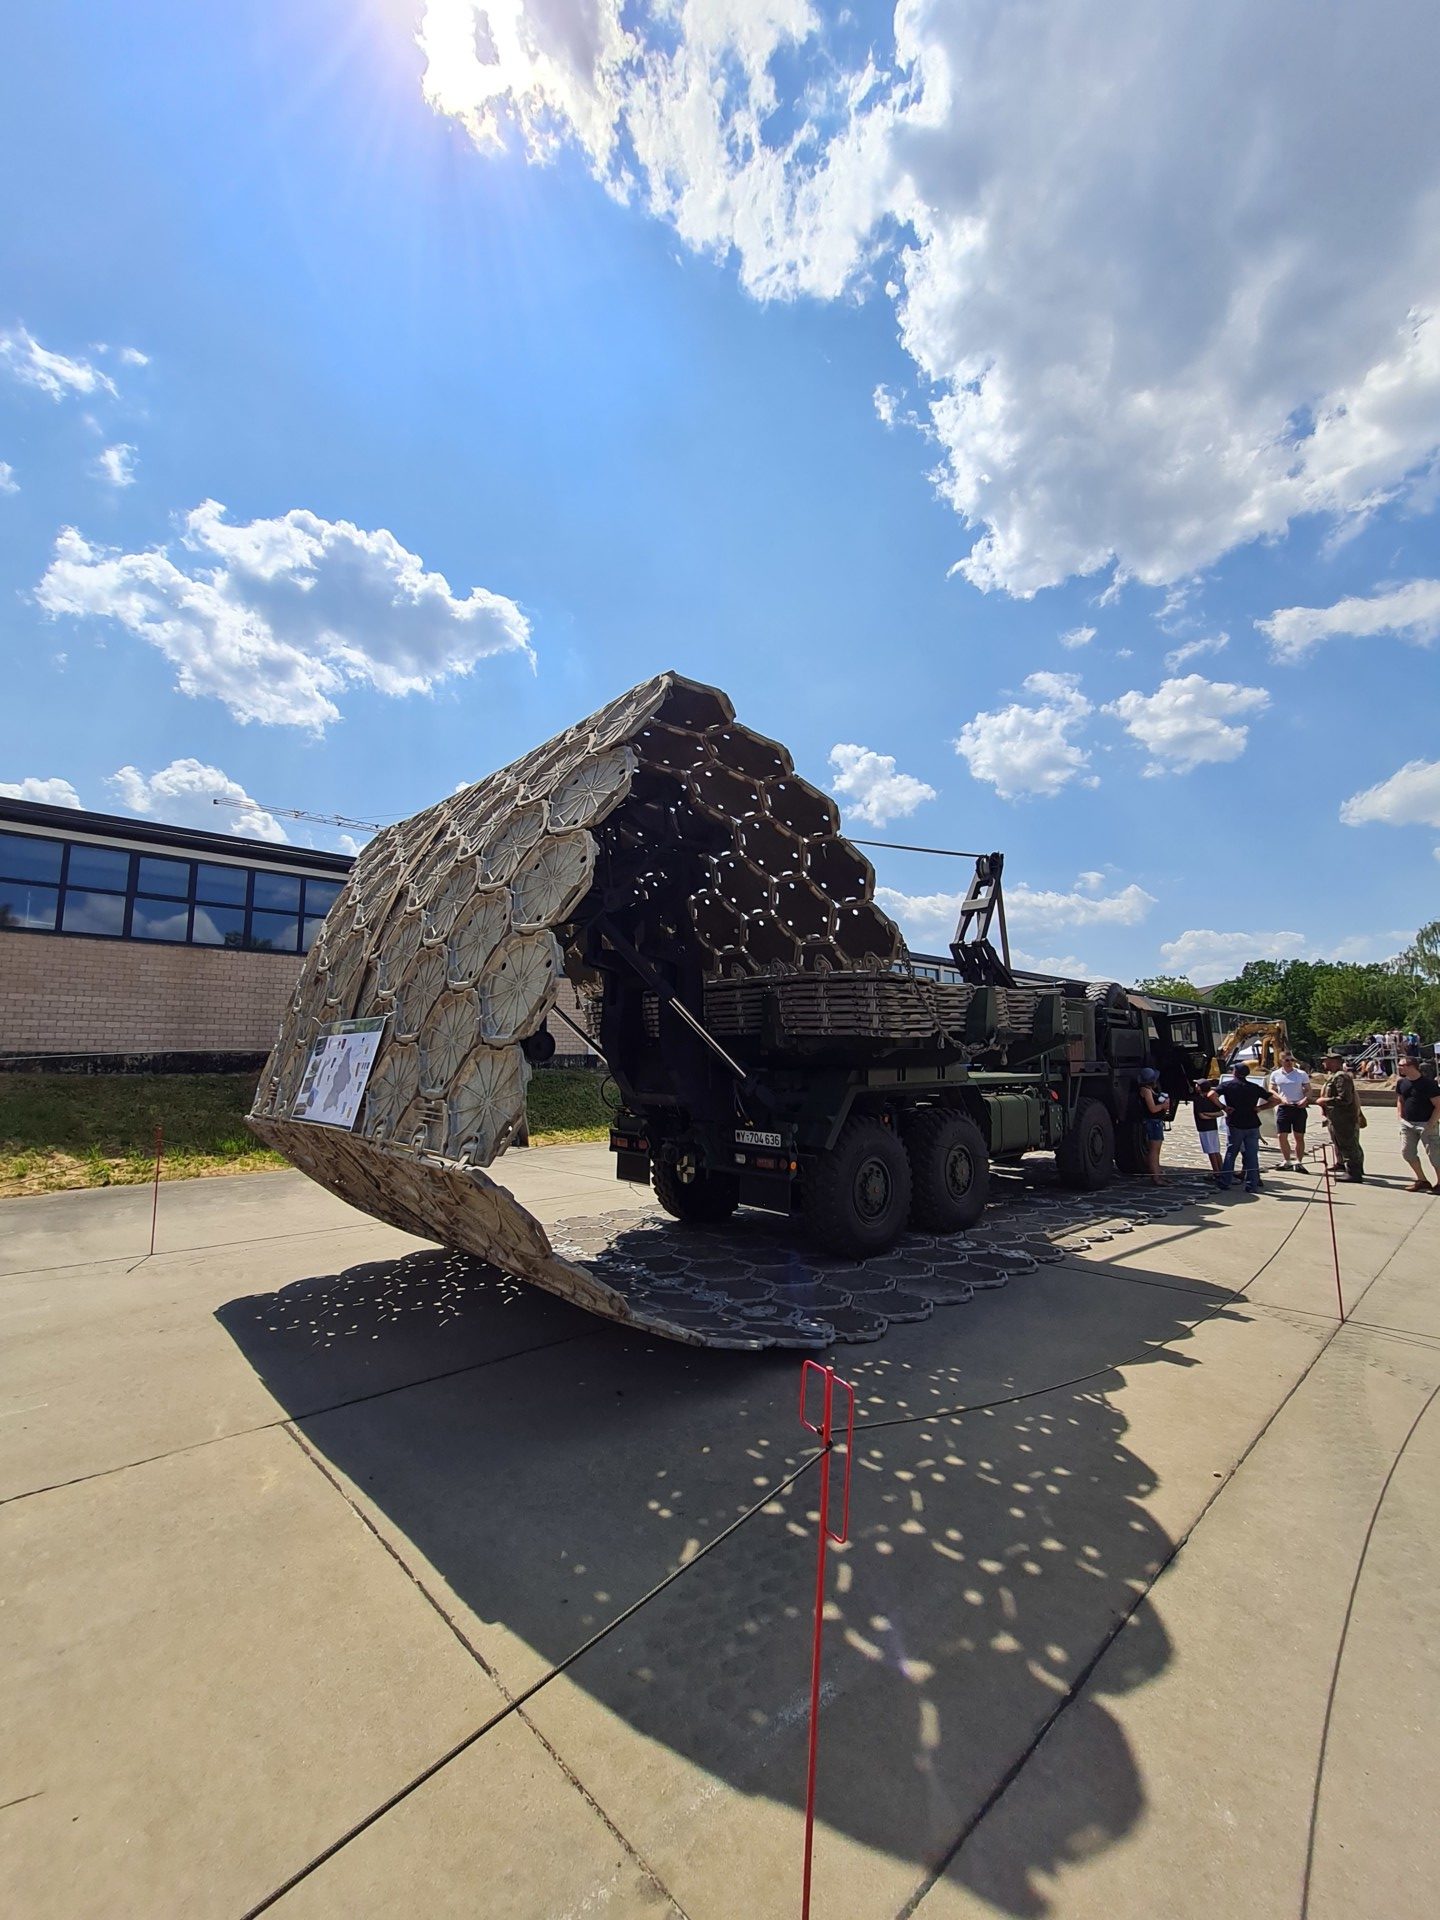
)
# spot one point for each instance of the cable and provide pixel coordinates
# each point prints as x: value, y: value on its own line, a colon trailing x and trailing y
x: 520, y: 1699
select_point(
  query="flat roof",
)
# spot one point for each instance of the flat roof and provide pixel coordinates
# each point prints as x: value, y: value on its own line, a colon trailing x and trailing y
x: 77, y: 823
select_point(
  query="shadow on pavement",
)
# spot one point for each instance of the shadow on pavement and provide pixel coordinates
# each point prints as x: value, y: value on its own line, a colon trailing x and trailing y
x: 992, y: 1554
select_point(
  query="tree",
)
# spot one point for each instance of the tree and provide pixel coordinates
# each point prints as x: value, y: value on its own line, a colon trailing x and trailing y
x: 1169, y: 986
x: 1350, y: 1001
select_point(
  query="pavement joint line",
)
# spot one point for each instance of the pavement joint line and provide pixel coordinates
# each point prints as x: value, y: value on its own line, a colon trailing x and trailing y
x: 206, y: 1246
x: 433, y: 1601
x: 1073, y: 1692
x: 314, y: 1413
x: 1331, y: 1691
x: 527, y: 1694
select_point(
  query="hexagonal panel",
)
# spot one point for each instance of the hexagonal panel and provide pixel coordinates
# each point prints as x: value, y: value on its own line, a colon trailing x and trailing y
x: 802, y: 908
x: 797, y: 805
x: 844, y: 874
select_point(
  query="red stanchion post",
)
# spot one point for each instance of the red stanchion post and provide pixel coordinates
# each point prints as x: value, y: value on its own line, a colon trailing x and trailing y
x: 155, y: 1195
x: 1330, y: 1208
x: 826, y: 1430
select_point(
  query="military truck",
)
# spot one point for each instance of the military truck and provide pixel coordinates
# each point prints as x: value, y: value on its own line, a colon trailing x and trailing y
x: 869, y: 1101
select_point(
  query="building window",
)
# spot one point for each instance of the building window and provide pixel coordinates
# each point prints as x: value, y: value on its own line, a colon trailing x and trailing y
x: 277, y: 893
x: 24, y: 858
x: 320, y: 896
x: 107, y: 868
x: 219, y: 927
x: 274, y: 932
x: 220, y: 886
x: 170, y: 879
x: 50, y: 885
x: 24, y: 905
x: 85, y: 912
x: 159, y: 920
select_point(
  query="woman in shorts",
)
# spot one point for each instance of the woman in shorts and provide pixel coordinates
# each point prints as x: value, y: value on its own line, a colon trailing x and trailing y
x: 1154, y: 1106
x: 1208, y: 1115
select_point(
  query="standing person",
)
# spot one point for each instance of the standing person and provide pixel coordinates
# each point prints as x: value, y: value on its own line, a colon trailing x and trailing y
x: 1290, y: 1085
x: 1208, y: 1115
x: 1243, y: 1102
x: 1154, y: 1106
x: 1417, y: 1101
x: 1342, y: 1112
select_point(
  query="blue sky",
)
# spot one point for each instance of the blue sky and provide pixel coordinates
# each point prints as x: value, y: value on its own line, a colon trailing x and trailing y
x: 526, y: 361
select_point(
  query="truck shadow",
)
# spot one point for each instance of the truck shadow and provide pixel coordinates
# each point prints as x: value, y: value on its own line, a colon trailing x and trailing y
x: 539, y: 1471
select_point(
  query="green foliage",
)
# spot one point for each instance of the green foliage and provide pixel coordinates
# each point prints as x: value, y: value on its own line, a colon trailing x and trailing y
x: 1350, y: 1001
x: 1329, y: 1002
x: 1168, y: 986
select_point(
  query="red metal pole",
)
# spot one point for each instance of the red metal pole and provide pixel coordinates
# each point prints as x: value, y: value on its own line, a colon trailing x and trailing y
x: 820, y: 1558
x: 155, y: 1197
x: 1334, y: 1243
x: 827, y: 1441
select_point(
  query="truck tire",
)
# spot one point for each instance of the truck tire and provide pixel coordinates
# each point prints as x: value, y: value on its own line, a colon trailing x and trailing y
x: 857, y: 1196
x: 1086, y: 1156
x: 949, y: 1171
x: 1108, y: 994
x: 701, y: 1201
x: 1130, y: 1147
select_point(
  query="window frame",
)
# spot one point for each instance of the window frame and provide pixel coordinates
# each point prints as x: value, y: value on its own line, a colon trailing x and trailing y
x: 189, y: 905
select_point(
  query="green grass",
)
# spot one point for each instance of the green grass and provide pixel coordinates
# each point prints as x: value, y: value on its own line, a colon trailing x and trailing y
x: 63, y: 1130
x: 565, y: 1107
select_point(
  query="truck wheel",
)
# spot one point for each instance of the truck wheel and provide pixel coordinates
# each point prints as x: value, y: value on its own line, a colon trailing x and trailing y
x: 857, y: 1196
x: 1130, y: 1146
x: 1086, y: 1156
x: 702, y: 1200
x: 1108, y: 994
x: 950, y: 1170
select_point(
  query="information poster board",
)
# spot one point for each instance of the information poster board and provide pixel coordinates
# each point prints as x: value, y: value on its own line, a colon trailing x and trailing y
x: 337, y: 1073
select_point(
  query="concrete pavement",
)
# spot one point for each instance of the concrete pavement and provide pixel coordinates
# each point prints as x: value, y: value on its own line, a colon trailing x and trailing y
x: 1139, y: 1610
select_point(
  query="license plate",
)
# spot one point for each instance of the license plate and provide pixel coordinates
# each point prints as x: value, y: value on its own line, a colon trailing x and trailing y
x: 748, y: 1137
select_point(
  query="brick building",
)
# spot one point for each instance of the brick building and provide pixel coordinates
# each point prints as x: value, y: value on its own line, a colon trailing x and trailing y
x: 124, y: 941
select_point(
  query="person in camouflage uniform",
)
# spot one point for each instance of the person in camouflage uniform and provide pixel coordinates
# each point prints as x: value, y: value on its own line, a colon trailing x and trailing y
x: 1340, y: 1104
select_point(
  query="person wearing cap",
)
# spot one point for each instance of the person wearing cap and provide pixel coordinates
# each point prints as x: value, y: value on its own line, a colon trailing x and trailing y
x: 1243, y: 1101
x: 1341, y: 1111
x: 1155, y: 1107
x: 1417, y: 1103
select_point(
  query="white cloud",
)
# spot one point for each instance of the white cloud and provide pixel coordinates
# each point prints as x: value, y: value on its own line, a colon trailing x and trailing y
x: 1189, y: 722
x: 1025, y: 750
x: 874, y: 791
x: 133, y: 357
x: 1205, y: 956
x: 8, y: 482
x: 929, y: 919
x: 53, y: 373
x: 1091, y: 880
x: 116, y: 465
x: 883, y: 401
x: 1032, y: 910
x: 183, y: 795
x: 1409, y: 798
x: 1077, y: 637
x: 48, y: 793
x: 1411, y: 611
x: 1141, y: 351
x: 276, y: 617
x: 1196, y: 650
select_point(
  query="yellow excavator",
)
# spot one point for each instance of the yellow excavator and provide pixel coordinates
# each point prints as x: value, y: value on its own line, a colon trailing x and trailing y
x: 1268, y: 1038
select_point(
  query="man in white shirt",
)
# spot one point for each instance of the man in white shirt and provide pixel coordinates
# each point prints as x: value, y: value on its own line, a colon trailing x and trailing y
x: 1290, y: 1085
